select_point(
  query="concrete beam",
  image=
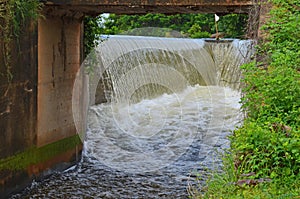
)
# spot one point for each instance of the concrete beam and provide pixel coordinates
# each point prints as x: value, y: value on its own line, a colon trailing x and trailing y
x: 153, y: 6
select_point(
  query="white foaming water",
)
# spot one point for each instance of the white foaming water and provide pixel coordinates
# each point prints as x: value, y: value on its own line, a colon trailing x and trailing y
x: 155, y: 133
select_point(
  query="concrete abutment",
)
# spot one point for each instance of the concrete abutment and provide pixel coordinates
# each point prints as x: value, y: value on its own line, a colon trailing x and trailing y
x: 58, y: 62
x: 38, y: 133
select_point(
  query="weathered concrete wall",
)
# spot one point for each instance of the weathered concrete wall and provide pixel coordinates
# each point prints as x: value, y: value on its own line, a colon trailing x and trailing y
x: 59, y: 61
x: 264, y: 15
x: 18, y: 102
x: 37, y: 131
x: 154, y: 6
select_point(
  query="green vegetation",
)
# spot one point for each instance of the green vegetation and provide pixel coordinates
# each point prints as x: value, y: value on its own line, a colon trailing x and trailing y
x: 191, y: 25
x: 264, y: 160
x: 92, y: 32
x: 160, y: 25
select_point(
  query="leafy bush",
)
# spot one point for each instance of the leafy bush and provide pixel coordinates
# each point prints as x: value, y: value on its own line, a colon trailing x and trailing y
x: 267, y: 146
x: 197, y: 25
x: 196, y: 32
x: 272, y: 94
x: 269, y: 141
x: 92, y: 32
x: 267, y: 151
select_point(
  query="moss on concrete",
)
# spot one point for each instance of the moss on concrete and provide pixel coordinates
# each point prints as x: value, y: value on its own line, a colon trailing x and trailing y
x: 36, y: 155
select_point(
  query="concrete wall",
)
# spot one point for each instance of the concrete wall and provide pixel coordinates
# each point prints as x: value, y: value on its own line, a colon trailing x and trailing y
x: 59, y: 61
x: 37, y: 130
x: 264, y: 15
x: 18, y: 102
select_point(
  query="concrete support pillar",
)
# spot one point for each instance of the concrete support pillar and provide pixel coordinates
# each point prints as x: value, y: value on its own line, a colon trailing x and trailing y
x: 264, y: 15
x: 257, y: 17
x: 253, y: 21
x: 59, y: 56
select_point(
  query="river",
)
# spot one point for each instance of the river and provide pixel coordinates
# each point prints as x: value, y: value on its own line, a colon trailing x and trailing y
x: 170, y: 106
x: 155, y: 152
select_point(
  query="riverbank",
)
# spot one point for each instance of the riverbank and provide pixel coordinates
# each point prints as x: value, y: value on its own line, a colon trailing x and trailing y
x: 264, y: 159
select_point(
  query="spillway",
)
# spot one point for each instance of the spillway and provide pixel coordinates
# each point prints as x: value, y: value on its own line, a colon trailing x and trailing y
x: 160, y: 111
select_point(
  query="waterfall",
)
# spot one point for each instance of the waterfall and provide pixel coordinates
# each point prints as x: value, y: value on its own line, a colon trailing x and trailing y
x: 228, y: 56
x: 136, y: 68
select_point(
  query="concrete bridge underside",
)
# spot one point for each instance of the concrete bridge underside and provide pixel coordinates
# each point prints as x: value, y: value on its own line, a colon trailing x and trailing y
x: 151, y: 6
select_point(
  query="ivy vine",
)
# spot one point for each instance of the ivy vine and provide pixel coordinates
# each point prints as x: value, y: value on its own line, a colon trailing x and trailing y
x: 13, y: 16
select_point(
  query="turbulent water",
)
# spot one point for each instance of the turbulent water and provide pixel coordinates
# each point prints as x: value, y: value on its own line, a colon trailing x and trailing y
x: 151, y: 149
x: 171, y: 103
